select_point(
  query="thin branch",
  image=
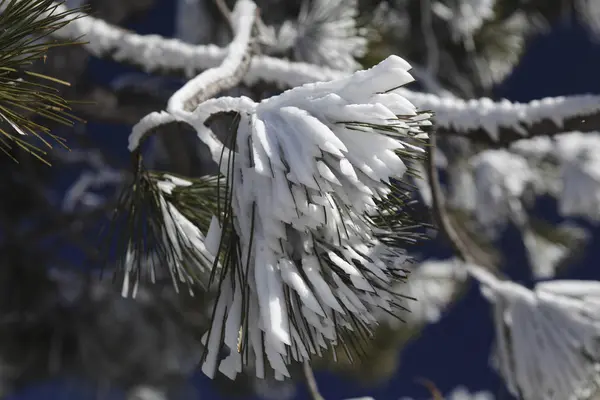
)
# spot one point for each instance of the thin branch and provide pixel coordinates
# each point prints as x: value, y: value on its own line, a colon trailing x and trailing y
x: 484, y: 120
x: 438, y: 209
x: 465, y: 247
x: 545, y: 127
x: 311, y: 382
x: 156, y: 53
x: 210, y: 82
x: 502, y: 122
x: 226, y: 12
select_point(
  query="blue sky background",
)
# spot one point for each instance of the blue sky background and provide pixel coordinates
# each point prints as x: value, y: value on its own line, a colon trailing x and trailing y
x: 454, y: 351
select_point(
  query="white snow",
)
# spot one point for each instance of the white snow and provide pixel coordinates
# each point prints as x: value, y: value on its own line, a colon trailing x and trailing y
x: 546, y: 338
x: 307, y: 179
x: 500, y: 178
x: 154, y: 52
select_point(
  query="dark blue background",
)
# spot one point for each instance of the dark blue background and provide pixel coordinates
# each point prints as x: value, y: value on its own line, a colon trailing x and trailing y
x: 454, y: 351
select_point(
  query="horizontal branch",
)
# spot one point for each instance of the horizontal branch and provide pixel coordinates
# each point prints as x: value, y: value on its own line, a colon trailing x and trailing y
x: 155, y: 53
x: 498, y: 124
x: 495, y: 123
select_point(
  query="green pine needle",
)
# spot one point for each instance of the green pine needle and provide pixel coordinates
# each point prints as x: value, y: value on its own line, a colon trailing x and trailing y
x: 138, y: 229
x: 25, y: 26
x: 396, y: 222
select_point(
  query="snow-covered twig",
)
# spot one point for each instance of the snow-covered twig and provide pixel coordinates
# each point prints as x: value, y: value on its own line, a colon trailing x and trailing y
x: 230, y: 72
x: 499, y: 124
x: 465, y: 249
x: 308, y: 172
x: 209, y: 82
x: 154, y: 52
x: 483, y: 119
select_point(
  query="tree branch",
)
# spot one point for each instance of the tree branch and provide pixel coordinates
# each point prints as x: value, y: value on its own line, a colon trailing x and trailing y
x: 311, y: 382
x: 545, y: 127
x: 210, y: 82
x: 466, y: 248
x: 482, y: 120
x: 438, y: 209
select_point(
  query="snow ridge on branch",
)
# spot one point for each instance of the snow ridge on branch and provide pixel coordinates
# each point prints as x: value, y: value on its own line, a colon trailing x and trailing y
x: 493, y: 122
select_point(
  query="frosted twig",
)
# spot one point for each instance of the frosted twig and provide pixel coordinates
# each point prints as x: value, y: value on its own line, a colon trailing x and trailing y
x: 498, y: 124
x: 211, y: 81
x: 154, y: 52
x: 229, y: 73
x: 501, y: 123
x: 462, y: 249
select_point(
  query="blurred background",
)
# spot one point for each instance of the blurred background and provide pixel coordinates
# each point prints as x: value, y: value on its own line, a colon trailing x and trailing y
x: 523, y: 50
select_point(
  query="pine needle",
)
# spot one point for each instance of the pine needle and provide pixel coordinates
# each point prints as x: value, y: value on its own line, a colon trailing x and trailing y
x: 25, y: 26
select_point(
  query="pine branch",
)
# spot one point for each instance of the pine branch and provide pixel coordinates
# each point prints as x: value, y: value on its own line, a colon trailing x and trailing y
x: 548, y: 126
x: 361, y: 215
x: 465, y: 249
x: 500, y: 123
x: 210, y: 82
x: 24, y: 29
x: 482, y: 120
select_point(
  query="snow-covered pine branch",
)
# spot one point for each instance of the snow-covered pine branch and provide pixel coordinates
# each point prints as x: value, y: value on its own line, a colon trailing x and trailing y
x: 546, y: 338
x: 496, y: 123
x: 435, y: 283
x: 506, y: 181
x: 324, y: 33
x: 305, y: 214
x: 184, y: 251
x: 499, y: 124
x: 208, y: 83
x: 299, y: 205
x: 502, y: 176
